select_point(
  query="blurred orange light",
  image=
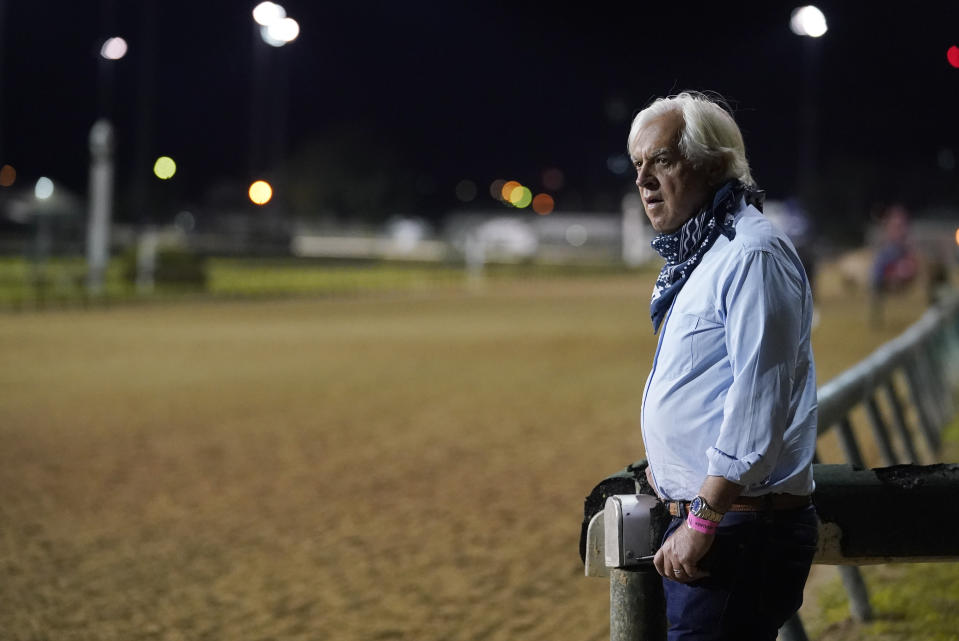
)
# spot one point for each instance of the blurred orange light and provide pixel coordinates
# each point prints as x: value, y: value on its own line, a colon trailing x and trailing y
x: 507, y: 191
x: 957, y: 236
x: 261, y: 192
x: 543, y: 204
x: 7, y: 175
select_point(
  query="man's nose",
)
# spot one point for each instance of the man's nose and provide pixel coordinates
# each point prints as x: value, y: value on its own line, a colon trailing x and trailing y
x: 645, y: 178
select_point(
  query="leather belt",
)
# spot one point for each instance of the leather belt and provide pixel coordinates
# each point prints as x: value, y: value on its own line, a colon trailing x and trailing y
x: 762, y: 503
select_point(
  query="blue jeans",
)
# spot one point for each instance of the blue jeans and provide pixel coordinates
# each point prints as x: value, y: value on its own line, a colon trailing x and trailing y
x: 758, y: 566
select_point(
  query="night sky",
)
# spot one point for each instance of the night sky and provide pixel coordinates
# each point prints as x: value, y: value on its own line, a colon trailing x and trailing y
x: 438, y: 92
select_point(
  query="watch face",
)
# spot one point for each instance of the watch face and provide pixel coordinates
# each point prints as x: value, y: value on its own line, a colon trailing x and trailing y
x: 696, y: 505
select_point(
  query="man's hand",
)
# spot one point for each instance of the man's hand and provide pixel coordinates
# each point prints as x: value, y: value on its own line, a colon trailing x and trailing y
x: 679, y: 556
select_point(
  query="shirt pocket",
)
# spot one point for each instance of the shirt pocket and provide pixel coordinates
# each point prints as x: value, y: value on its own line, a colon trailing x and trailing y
x: 701, y: 343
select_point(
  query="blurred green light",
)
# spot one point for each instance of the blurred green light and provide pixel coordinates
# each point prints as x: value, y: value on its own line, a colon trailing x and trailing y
x: 521, y: 197
x: 164, y: 168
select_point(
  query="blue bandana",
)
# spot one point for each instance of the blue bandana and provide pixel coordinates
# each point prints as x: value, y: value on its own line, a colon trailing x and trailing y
x: 684, y: 248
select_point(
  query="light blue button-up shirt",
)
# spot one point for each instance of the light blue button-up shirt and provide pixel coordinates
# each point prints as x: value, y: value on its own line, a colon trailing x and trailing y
x: 732, y: 390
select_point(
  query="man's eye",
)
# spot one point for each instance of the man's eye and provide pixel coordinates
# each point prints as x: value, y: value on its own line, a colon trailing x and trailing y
x: 662, y: 160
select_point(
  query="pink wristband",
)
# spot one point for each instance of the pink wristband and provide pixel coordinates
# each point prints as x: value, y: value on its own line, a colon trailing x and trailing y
x: 701, y: 525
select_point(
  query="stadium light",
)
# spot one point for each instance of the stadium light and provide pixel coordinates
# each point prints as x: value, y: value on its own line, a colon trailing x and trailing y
x: 283, y: 31
x: 114, y: 48
x: 266, y: 13
x: 276, y: 28
x: 808, y: 21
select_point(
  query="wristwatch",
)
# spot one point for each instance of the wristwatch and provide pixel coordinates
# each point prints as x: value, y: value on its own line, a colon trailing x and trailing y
x: 699, y: 507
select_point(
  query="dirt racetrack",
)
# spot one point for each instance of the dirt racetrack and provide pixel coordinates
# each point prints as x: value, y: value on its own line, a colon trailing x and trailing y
x: 389, y: 468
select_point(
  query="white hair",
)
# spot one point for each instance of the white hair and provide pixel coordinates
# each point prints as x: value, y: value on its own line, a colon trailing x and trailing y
x: 710, y: 135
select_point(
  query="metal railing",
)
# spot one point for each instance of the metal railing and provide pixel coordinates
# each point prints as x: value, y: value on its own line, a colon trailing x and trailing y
x: 923, y: 361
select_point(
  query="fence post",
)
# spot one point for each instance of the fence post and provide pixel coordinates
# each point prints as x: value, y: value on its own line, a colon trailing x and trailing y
x: 851, y: 576
x: 914, y: 384
x: 899, y: 420
x: 879, y: 431
x: 935, y: 359
x: 856, y: 591
x: 931, y: 384
x: 950, y: 341
x: 847, y: 440
x: 637, y: 606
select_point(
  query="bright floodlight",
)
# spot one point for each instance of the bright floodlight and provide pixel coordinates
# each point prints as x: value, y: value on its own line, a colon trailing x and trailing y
x: 282, y: 31
x: 268, y: 39
x: 266, y: 13
x: 43, y: 188
x: 808, y: 21
x: 114, y: 48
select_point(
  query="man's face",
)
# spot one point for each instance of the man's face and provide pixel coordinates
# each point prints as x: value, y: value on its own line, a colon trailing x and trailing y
x: 671, y: 188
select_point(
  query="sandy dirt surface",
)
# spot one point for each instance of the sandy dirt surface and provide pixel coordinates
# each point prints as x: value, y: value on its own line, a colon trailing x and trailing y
x: 390, y: 468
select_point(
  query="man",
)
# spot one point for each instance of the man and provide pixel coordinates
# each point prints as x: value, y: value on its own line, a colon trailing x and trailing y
x: 729, y: 409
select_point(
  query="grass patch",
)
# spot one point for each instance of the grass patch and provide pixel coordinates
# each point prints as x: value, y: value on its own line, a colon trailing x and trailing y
x: 915, y: 601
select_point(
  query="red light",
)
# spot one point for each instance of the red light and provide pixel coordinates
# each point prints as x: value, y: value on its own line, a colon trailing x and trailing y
x: 953, y: 56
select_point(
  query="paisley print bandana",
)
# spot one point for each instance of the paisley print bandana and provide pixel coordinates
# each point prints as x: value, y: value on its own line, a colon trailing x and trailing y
x: 684, y: 248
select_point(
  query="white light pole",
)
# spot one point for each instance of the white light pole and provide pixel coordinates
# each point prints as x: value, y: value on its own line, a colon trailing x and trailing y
x: 42, y: 191
x: 111, y: 50
x: 270, y: 88
x: 100, y: 204
x: 100, y: 189
x: 809, y: 23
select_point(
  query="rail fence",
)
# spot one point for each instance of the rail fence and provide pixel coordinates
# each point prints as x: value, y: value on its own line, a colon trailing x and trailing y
x: 905, y: 390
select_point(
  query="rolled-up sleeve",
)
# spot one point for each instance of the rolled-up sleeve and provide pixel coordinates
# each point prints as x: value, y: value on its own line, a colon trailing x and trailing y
x: 763, y: 302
